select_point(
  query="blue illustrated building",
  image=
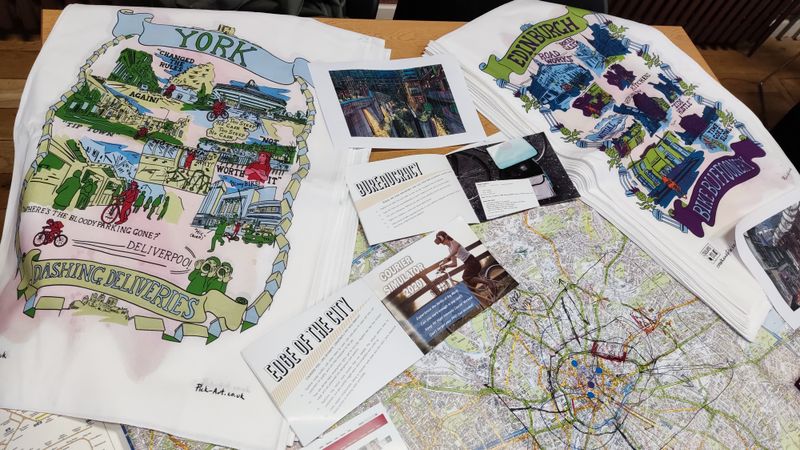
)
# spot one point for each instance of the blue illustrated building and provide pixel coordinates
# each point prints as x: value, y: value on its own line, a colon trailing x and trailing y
x: 591, y: 58
x: 705, y: 128
x: 649, y: 111
x: 249, y: 204
x: 606, y: 44
x: 555, y: 85
x: 618, y: 76
x: 668, y: 87
x: 667, y: 169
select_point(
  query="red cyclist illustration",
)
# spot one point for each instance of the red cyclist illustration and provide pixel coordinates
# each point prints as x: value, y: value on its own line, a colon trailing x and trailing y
x: 51, y: 233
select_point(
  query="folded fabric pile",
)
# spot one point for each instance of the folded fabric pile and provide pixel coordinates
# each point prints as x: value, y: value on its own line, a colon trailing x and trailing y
x: 652, y: 141
x: 175, y: 193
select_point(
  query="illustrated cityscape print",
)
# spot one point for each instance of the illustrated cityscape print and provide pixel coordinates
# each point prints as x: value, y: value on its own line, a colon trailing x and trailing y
x: 676, y: 152
x: 775, y: 243
x: 406, y: 103
x: 177, y: 151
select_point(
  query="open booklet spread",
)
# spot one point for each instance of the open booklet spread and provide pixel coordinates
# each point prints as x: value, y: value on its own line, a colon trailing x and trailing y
x: 330, y: 358
x: 411, y: 195
x: 768, y: 241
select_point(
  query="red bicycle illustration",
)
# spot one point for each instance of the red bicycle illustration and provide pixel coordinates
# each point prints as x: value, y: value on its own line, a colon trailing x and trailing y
x: 219, y: 110
x: 121, y: 208
x: 111, y: 212
x: 50, y: 233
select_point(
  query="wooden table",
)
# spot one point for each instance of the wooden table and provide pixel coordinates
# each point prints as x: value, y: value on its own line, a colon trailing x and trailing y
x: 408, y: 38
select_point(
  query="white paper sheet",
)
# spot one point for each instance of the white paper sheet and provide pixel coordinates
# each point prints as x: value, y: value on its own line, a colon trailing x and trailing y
x: 503, y: 197
x: 768, y: 240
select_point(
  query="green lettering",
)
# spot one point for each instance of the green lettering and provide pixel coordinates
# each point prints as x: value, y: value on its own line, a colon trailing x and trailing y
x: 223, y: 43
x: 206, y: 38
x: 185, y: 37
x: 569, y: 25
x: 550, y: 29
x: 240, y: 52
x: 532, y: 41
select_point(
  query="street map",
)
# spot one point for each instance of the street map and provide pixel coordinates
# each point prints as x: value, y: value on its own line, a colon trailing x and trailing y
x: 30, y: 430
x: 597, y: 348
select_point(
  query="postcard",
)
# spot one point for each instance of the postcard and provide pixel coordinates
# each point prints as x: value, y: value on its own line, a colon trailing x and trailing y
x: 768, y: 241
x: 402, y: 103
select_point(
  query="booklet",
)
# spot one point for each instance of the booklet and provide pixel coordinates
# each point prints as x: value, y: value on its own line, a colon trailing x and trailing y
x: 768, y: 241
x: 332, y: 357
x: 373, y: 429
x: 402, y: 103
x: 405, y: 196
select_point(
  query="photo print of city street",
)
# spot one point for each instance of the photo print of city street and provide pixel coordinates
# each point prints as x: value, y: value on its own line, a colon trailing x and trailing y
x: 408, y: 103
x: 419, y: 102
x: 768, y: 243
x: 775, y: 243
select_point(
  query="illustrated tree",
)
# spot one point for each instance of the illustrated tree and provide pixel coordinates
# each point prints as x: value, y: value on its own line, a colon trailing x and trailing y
x: 570, y: 136
x: 617, y: 31
x: 726, y: 118
x: 651, y: 60
x: 529, y: 102
x: 644, y: 201
x: 614, y: 159
x: 168, y: 126
x: 203, y: 98
x: 135, y: 67
x: 688, y: 88
x: 613, y: 59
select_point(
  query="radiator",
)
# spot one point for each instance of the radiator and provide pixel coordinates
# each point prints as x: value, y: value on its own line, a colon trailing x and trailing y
x: 741, y: 24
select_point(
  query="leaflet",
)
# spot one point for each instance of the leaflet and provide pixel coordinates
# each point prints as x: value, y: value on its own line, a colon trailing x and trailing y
x: 411, y: 195
x: 332, y: 357
x: 768, y: 241
x: 372, y: 429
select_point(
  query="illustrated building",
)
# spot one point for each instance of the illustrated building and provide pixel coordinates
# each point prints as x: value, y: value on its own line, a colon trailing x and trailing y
x: 667, y: 169
x: 160, y: 148
x: 630, y: 139
x: 249, y: 98
x: 593, y: 102
x: 134, y: 67
x: 94, y: 99
x: 618, y: 76
x: 609, y: 125
x: 649, y: 111
x: 256, y: 206
x: 591, y: 58
x: 706, y: 128
x: 668, y: 87
x: 604, y: 43
x: 556, y: 84
x: 101, y: 303
x: 184, y: 94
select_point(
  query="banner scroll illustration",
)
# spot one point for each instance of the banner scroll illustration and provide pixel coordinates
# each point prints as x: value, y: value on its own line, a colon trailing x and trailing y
x: 240, y: 52
x: 143, y: 290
